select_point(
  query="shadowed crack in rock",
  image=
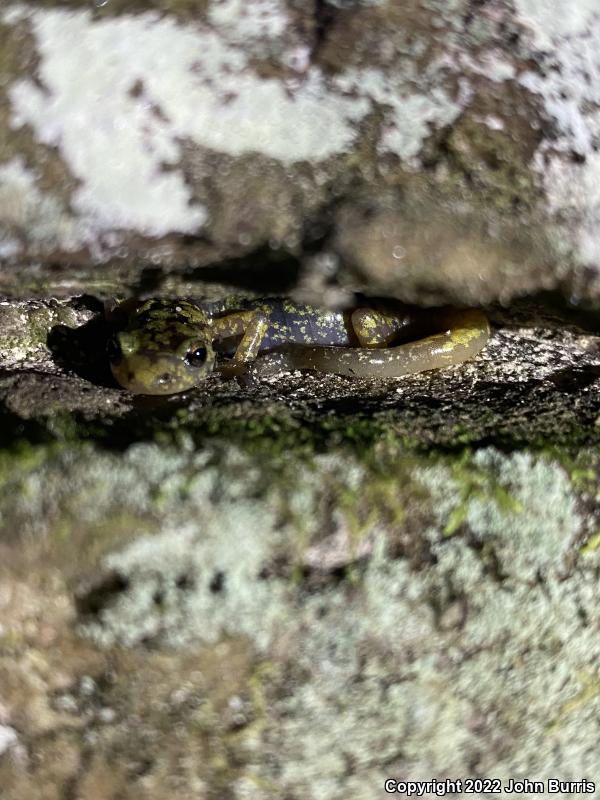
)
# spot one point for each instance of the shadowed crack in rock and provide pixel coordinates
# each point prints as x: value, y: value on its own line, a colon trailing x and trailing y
x: 536, y: 379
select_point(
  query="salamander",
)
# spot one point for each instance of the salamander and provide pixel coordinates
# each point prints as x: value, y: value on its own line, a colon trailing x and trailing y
x: 168, y: 346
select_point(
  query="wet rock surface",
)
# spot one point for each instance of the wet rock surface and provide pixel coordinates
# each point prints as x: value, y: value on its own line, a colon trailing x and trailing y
x: 298, y: 586
x: 536, y: 381
x: 447, y: 151
x: 288, y: 588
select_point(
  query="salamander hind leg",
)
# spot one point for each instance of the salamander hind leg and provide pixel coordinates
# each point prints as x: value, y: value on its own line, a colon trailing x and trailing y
x: 374, y: 328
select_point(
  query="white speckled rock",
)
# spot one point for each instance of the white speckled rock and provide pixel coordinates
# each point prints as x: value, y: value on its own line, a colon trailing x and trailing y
x: 191, y: 136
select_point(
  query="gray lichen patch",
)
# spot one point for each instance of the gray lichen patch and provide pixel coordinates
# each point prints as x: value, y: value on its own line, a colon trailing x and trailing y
x: 35, y: 186
x: 564, y: 76
x: 286, y: 118
x: 285, y: 114
x: 523, y: 529
x: 520, y: 509
x: 290, y: 115
x: 225, y: 116
x: 448, y: 620
x: 424, y: 650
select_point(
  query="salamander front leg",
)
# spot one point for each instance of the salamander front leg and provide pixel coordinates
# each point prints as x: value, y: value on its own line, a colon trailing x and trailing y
x: 253, y: 326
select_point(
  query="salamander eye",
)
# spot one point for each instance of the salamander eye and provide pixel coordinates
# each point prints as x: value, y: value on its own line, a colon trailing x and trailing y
x: 113, y: 349
x: 196, y: 358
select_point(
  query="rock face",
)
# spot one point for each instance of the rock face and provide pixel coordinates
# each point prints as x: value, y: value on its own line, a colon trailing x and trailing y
x: 442, y: 620
x: 435, y: 149
x: 288, y: 589
x: 535, y: 382
x: 301, y: 586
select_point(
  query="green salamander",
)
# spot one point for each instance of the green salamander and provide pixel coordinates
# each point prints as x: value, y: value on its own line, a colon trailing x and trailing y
x: 168, y: 346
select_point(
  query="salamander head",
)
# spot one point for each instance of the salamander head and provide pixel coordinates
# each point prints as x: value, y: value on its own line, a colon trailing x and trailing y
x: 165, y: 348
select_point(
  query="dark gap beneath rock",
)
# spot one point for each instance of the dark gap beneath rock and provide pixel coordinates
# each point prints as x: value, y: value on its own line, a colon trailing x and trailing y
x: 573, y: 381
x: 264, y: 270
x: 83, y: 350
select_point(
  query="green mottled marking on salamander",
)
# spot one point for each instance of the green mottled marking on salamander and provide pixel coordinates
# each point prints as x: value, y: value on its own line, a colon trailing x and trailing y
x: 168, y: 346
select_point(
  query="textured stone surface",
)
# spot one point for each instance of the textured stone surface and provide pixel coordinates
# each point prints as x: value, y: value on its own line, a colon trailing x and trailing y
x: 435, y: 149
x: 169, y: 620
x: 536, y: 381
x: 284, y: 588
x: 298, y: 587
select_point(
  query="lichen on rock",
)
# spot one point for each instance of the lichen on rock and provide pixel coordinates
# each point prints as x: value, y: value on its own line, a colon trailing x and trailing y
x: 413, y: 654
x: 430, y: 101
x: 301, y: 584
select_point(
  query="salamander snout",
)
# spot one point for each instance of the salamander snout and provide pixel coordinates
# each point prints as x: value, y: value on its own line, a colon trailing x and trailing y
x: 152, y: 370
